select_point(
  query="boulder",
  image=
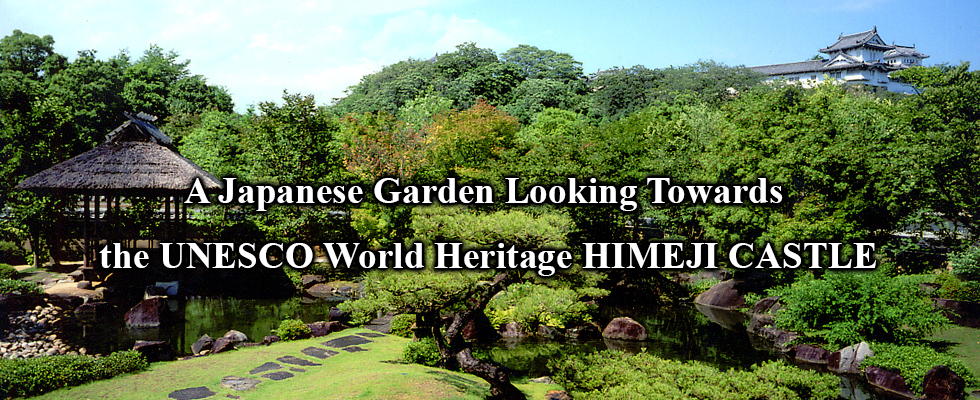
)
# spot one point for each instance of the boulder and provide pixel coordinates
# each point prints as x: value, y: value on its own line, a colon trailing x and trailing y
x: 89, y: 273
x: 624, y: 328
x: 148, y: 313
x: 557, y: 395
x: 480, y: 330
x: 941, y: 383
x: 235, y: 336
x: 336, y: 326
x: 202, y: 344
x: 76, y: 276
x: 270, y: 339
x: 811, y: 354
x: 547, y: 332
x: 848, y: 360
x: 85, y: 285
x: 887, y: 380
x: 767, y: 305
x: 584, y: 332
x: 221, y: 345
x: 963, y: 313
x: 154, y: 350
x: 319, y: 328
x: 337, y: 314
x: 309, y: 280
x: 722, y: 295
x: 321, y: 290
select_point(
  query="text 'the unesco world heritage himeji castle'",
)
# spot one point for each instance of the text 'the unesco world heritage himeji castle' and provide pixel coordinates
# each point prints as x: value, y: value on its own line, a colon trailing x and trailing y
x: 856, y: 58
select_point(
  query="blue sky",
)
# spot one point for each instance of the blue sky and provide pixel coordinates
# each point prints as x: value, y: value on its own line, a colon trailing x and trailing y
x: 259, y: 48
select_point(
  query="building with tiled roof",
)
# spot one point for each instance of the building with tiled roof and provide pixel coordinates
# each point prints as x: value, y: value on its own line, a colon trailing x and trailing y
x: 860, y: 58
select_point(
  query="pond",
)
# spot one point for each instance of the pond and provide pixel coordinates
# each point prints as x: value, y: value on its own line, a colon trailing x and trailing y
x: 195, y: 317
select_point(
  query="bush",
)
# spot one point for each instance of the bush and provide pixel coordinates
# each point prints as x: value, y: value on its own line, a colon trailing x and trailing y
x: 966, y: 263
x: 18, y: 286
x: 401, y: 325
x: 701, y: 286
x: 33, y: 376
x: 424, y: 351
x: 953, y: 288
x: 7, y: 271
x: 292, y: 329
x: 618, y: 375
x: 531, y: 304
x: 912, y: 362
x: 851, y: 307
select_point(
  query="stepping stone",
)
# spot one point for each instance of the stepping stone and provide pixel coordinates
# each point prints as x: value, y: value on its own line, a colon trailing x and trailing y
x: 238, y: 383
x: 296, y: 361
x: 354, y: 349
x: 371, y: 334
x: 278, y: 375
x: 294, y: 369
x: 269, y: 366
x: 346, y: 341
x: 318, y: 352
x: 231, y: 396
x: 191, y: 393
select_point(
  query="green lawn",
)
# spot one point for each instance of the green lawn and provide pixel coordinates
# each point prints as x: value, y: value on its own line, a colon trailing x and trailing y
x: 965, y: 343
x: 373, y: 374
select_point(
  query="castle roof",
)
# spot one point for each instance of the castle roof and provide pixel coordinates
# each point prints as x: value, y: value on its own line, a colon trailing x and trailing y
x: 860, y: 39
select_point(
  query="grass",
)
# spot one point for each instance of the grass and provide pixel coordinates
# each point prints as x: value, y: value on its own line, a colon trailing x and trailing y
x: 965, y: 343
x: 377, y: 373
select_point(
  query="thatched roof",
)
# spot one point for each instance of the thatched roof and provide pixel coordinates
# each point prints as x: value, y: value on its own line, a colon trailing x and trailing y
x: 136, y: 160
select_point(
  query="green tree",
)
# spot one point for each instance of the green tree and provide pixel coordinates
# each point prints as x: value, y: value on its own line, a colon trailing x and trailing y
x: 535, y: 63
x: 149, y: 80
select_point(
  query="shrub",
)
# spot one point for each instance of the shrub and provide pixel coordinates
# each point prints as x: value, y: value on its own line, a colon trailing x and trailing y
x: 18, y: 286
x: 912, y: 362
x: 401, y: 325
x: 292, y: 329
x: 850, y: 307
x: 696, y: 288
x: 953, y: 288
x: 618, y: 375
x: 530, y: 304
x: 424, y: 351
x: 966, y: 263
x: 33, y: 376
x: 7, y: 271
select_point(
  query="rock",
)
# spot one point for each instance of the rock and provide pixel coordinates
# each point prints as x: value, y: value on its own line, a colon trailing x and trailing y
x: 624, y: 328
x: 546, y: 331
x: 887, y: 380
x: 512, y: 330
x: 584, y: 332
x: 154, y: 350
x: 202, y: 344
x: 480, y: 330
x: 336, y: 326
x: 337, y: 314
x: 321, y: 290
x: 319, y: 328
x: 759, y: 321
x: 767, y: 305
x: 722, y: 295
x: 557, y: 395
x: 89, y: 274
x: 543, y: 379
x: 221, y: 345
x: 963, y: 313
x: 270, y: 339
x: 238, y: 383
x: 941, y: 383
x: 148, y: 313
x: 87, y: 285
x: 309, y: 280
x: 848, y: 360
x: 235, y: 336
x: 76, y: 276
x: 811, y: 354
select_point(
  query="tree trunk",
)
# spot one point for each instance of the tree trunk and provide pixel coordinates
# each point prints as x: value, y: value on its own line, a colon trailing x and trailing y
x: 495, y: 374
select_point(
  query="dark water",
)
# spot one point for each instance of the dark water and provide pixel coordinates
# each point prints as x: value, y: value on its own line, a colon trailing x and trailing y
x: 677, y: 333
x: 195, y: 317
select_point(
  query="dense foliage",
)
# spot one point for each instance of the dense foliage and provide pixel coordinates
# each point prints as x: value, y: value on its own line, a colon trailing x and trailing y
x: 912, y: 362
x: 28, y: 377
x: 847, y: 308
x: 292, y: 329
x: 618, y: 375
x: 18, y: 286
x: 423, y: 351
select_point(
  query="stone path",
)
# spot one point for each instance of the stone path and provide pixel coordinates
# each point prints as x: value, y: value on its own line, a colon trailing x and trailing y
x: 274, y: 371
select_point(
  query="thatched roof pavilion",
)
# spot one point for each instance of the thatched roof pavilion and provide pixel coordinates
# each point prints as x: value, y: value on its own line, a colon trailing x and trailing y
x: 135, y: 161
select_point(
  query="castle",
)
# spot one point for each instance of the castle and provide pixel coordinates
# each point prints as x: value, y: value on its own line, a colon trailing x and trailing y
x: 859, y: 58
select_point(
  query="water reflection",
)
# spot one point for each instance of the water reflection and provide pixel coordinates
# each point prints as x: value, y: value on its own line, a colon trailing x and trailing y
x: 193, y: 318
